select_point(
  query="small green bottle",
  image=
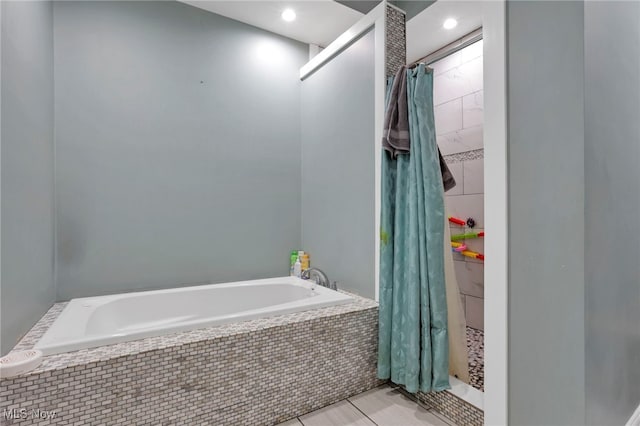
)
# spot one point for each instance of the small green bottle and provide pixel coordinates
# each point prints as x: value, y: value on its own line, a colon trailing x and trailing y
x: 293, y: 258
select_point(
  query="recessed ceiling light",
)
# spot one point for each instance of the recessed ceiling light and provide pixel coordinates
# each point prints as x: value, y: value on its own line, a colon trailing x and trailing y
x: 448, y: 24
x: 289, y: 15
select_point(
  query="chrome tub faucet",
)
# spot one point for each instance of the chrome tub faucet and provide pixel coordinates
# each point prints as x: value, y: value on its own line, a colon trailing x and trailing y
x: 319, y: 277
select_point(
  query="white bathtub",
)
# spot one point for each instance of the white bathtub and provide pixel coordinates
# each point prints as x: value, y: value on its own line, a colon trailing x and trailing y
x: 96, y: 321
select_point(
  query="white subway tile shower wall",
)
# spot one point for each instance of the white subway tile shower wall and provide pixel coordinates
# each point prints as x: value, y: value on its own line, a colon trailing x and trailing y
x: 473, y: 176
x: 448, y: 116
x: 460, y: 140
x: 472, y: 109
x: 458, y: 100
x: 466, y: 205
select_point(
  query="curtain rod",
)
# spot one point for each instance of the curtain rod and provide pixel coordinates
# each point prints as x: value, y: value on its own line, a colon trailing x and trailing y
x: 450, y: 48
x: 427, y: 68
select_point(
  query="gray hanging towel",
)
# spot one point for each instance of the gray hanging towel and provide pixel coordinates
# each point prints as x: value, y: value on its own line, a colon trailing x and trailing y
x: 395, y: 137
x: 448, y: 181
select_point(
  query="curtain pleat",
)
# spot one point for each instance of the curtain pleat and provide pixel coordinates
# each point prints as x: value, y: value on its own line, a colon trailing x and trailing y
x: 413, y: 337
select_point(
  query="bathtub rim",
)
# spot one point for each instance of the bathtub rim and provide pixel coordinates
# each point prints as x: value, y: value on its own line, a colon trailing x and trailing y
x: 79, y: 311
x: 131, y: 348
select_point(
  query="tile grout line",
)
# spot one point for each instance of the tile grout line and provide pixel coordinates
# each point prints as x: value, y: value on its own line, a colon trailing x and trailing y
x: 442, y: 417
x: 410, y: 396
x: 428, y: 408
x: 363, y: 413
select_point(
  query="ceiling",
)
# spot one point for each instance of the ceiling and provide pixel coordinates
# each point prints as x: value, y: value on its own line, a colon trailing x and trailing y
x: 317, y: 22
x: 322, y: 21
x: 425, y: 33
x: 411, y: 7
x: 363, y: 6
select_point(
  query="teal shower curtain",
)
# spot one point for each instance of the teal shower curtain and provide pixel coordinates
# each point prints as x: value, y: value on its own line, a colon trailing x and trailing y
x: 413, y: 341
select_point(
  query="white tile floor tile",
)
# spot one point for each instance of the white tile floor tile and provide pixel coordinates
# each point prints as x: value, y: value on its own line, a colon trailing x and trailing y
x: 389, y: 407
x: 382, y: 406
x: 342, y: 413
x: 292, y: 422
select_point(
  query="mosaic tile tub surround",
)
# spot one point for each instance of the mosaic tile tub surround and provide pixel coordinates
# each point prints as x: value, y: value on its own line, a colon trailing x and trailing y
x: 257, y: 372
x: 452, y: 407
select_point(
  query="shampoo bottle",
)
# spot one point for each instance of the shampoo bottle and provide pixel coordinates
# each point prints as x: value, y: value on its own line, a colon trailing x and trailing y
x: 297, y: 268
x: 304, y: 262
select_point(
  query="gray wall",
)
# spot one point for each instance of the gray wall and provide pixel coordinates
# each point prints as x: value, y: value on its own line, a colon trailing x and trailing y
x: 26, y: 230
x: 338, y: 173
x: 177, y: 147
x: 546, y: 213
x: 612, y: 155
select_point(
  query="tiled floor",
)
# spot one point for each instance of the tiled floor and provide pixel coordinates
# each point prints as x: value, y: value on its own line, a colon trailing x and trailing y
x: 475, y: 345
x: 382, y: 406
